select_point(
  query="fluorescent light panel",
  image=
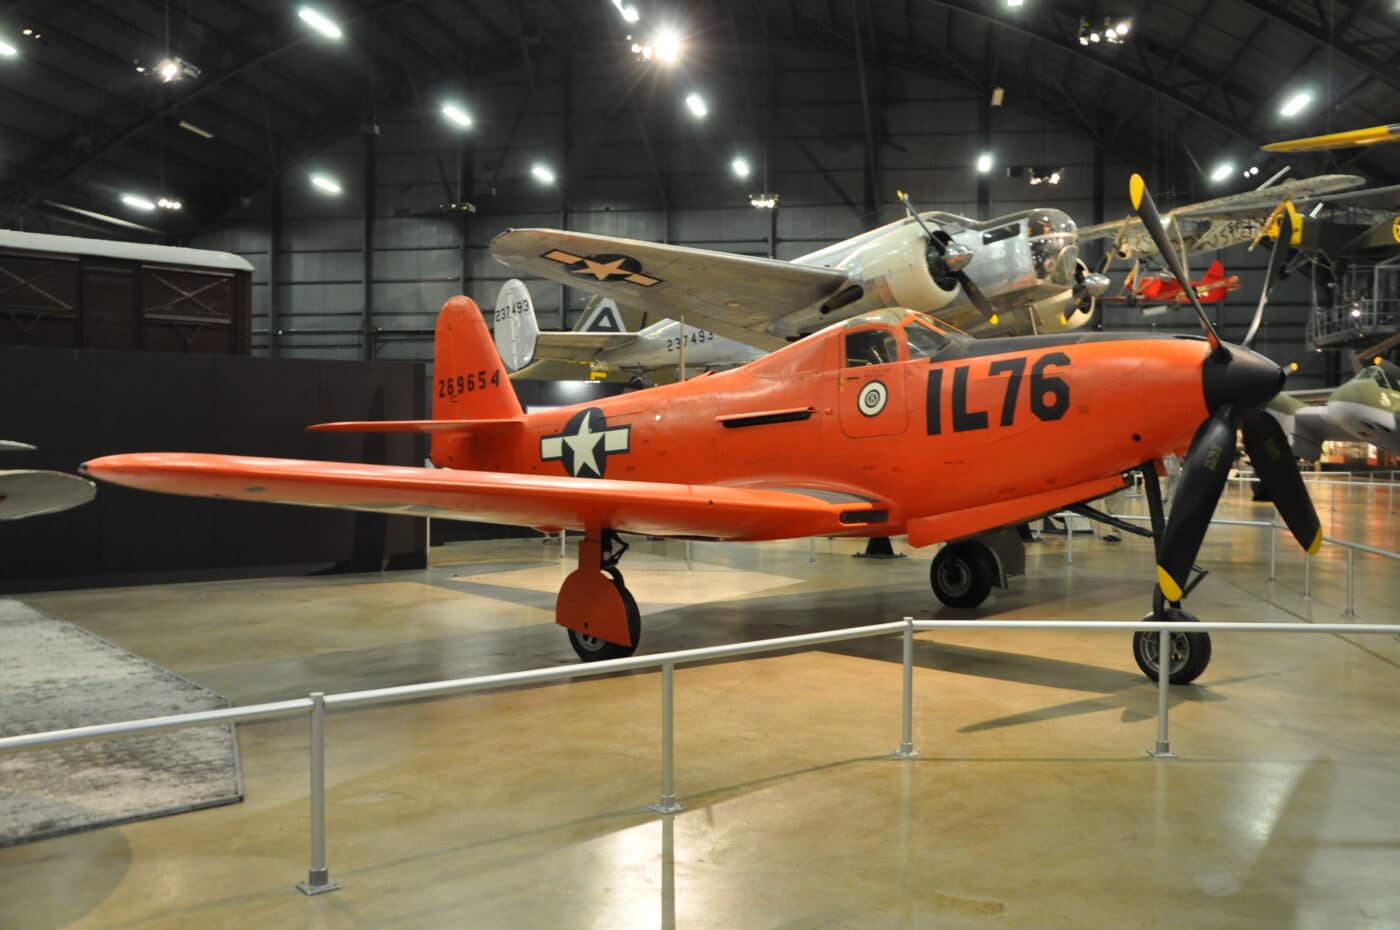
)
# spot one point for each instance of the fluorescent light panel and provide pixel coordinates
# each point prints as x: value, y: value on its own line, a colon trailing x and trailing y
x: 191, y: 127
x: 696, y: 105
x: 457, y: 115
x: 7, y: 50
x: 326, y: 183
x: 542, y: 173
x: 1222, y: 171
x: 320, y: 22
x: 137, y: 202
x: 1296, y: 103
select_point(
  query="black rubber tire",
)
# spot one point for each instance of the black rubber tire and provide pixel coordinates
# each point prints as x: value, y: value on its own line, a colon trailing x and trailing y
x: 961, y: 574
x: 593, y: 649
x: 1190, y: 651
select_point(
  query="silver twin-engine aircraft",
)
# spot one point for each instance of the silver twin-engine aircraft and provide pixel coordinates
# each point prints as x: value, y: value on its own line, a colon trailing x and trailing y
x: 1016, y: 274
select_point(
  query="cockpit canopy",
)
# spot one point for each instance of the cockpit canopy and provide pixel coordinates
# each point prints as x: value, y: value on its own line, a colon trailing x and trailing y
x: 1386, y: 374
x: 896, y: 335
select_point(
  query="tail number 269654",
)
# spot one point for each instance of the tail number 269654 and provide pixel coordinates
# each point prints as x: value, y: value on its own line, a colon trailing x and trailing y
x: 466, y: 384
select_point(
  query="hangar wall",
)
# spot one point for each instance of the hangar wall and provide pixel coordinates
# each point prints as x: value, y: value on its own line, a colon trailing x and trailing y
x: 639, y: 166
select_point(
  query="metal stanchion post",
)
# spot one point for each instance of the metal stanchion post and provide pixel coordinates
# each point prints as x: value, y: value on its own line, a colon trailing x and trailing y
x: 1307, y: 577
x: 1164, y: 665
x: 1351, y: 584
x: 563, y: 545
x: 1273, y: 547
x: 667, y: 804
x: 1069, y: 542
x: 812, y: 549
x: 318, y: 880
x: 906, y: 742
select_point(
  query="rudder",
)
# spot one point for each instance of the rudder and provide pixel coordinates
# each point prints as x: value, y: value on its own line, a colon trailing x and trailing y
x: 470, y: 381
x: 516, y: 329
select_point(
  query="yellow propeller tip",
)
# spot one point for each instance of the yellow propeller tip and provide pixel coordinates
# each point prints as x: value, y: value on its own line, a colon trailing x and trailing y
x: 1064, y: 320
x: 1170, y: 589
x: 899, y: 194
x: 1136, y: 188
x: 994, y: 319
x: 1316, y: 544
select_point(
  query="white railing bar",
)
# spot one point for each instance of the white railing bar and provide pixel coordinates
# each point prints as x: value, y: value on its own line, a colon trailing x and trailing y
x: 150, y: 724
x: 1345, y: 543
x: 605, y: 667
x: 679, y: 657
x: 1157, y: 626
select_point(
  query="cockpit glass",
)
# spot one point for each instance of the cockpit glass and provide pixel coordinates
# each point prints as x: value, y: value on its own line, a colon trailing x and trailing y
x: 871, y: 347
x: 924, y: 341
x: 1377, y: 374
x: 1054, y: 248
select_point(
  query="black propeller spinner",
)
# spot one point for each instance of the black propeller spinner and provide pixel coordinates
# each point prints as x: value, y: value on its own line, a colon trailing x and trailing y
x: 947, y: 261
x: 1238, y: 382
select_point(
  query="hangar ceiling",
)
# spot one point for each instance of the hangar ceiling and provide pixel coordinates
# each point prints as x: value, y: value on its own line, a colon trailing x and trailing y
x: 1194, y: 81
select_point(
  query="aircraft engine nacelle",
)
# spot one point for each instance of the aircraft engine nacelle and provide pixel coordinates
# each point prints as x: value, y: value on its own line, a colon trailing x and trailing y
x: 905, y: 271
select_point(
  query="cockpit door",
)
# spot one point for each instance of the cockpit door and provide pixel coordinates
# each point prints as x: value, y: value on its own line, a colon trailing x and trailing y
x: 871, y: 393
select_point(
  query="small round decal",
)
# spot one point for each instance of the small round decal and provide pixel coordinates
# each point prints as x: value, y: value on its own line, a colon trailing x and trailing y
x: 872, y: 398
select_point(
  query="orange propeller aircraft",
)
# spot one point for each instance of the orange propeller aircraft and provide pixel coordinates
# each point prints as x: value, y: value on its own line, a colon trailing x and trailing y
x: 884, y: 424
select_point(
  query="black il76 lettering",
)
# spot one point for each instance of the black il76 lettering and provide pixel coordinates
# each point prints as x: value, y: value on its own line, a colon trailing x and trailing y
x: 1049, y: 394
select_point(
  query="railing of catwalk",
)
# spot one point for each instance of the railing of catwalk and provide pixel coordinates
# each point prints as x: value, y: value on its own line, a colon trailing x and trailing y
x: 317, y: 705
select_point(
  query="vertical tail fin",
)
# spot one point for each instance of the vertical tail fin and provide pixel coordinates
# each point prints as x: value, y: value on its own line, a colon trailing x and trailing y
x: 603, y: 317
x: 1216, y: 272
x: 469, y: 382
x: 516, y: 328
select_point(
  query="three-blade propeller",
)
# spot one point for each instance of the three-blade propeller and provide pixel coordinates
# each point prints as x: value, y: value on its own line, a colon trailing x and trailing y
x: 946, y: 262
x: 1237, y: 382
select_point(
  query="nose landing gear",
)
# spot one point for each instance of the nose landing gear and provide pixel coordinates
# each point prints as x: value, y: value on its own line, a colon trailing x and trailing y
x: 594, y: 605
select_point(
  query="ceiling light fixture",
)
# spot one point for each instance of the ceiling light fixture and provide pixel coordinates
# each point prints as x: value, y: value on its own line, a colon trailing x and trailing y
x: 629, y: 13
x: 197, y: 130
x: 696, y: 105
x: 457, y: 115
x: 7, y: 50
x: 984, y: 162
x: 740, y: 167
x: 1296, y: 103
x: 169, y: 203
x: 668, y: 46
x: 175, y: 68
x: 137, y: 202
x: 1222, y: 171
x: 764, y: 201
x: 543, y: 173
x: 320, y: 22
x: 326, y: 183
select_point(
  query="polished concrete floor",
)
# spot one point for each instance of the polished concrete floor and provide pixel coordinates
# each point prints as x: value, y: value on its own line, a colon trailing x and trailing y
x: 1032, y: 803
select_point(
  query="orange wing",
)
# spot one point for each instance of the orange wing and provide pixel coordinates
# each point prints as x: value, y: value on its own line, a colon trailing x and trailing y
x: 708, y: 511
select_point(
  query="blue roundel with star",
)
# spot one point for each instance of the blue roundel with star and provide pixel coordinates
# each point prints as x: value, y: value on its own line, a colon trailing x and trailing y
x: 585, y: 444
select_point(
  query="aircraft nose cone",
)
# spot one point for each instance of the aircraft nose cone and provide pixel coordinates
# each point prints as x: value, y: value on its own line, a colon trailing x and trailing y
x: 1246, y: 379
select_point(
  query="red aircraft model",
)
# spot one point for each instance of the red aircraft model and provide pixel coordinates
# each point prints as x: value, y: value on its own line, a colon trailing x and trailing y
x: 1160, y: 287
x: 884, y: 424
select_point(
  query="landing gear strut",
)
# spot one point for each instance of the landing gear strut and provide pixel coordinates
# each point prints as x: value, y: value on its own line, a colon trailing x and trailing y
x: 1189, y: 652
x: 594, y: 604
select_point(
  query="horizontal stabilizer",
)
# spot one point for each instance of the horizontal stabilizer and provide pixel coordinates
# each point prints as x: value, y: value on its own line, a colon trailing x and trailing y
x: 414, y: 426
x: 32, y: 493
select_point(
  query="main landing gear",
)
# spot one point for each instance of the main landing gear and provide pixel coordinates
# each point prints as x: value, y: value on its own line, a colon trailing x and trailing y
x: 1189, y: 653
x: 964, y: 571
x: 594, y: 604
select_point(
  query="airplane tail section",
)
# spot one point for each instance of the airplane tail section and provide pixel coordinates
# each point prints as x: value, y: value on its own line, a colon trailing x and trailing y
x: 472, y: 393
x: 517, y: 331
x: 1216, y: 272
x: 602, y: 316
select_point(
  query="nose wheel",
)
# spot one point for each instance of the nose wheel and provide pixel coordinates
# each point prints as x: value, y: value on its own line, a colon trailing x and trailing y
x: 1188, y: 653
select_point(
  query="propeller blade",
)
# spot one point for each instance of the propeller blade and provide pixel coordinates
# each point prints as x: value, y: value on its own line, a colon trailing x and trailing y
x: 1285, y: 234
x: 979, y: 300
x: 1203, y: 476
x: 1277, y: 468
x: 912, y: 211
x: 1152, y: 222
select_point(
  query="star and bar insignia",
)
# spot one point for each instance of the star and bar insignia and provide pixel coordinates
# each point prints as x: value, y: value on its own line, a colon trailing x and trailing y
x: 604, y: 267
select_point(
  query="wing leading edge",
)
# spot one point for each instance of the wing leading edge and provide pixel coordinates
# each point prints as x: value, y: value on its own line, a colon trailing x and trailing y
x: 554, y: 502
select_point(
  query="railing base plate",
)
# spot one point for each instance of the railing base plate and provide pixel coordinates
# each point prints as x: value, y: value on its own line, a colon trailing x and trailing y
x: 666, y: 806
